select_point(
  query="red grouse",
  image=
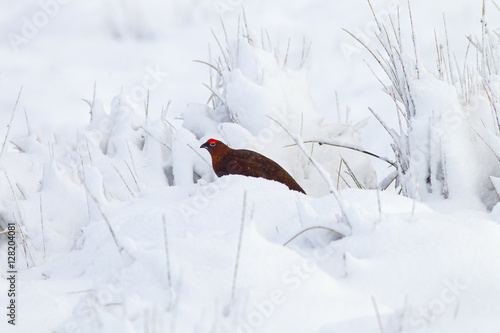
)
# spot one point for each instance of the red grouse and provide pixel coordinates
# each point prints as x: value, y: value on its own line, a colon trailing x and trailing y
x: 227, y: 161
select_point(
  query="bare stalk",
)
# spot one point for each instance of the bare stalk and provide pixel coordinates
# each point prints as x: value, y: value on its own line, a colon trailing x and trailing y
x: 41, y: 222
x: 155, y: 138
x: 340, y: 145
x: 123, y: 179
x: 238, y: 251
x: 313, y: 228
x: 379, y: 320
x: 27, y: 122
x: 9, y: 126
x: 111, y: 231
x: 414, y: 40
x: 167, y: 256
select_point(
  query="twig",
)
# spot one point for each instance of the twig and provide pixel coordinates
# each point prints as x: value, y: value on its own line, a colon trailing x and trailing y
x: 448, y: 50
x: 250, y: 41
x: 132, y: 161
x: 380, y: 326
x: 164, y: 112
x: 414, y: 40
x: 88, y: 151
x: 222, y: 101
x: 9, y: 126
x: 85, y: 182
x: 167, y: 257
x: 439, y: 57
x: 391, y: 132
x: 21, y: 191
x: 146, y: 108
x: 133, y: 176
x: 487, y: 144
x: 269, y: 41
x: 352, y: 175
x: 379, y: 205
x: 489, y: 92
x: 305, y: 52
x: 209, y: 65
x: 339, y: 145
x: 455, y: 314
x: 495, y: 4
x: 238, y: 251
x: 414, y: 203
x: 27, y: 122
x: 197, y: 153
x: 5, y: 232
x: 22, y: 237
x: 338, y: 176
x: 156, y: 139
x: 286, y: 56
x: 111, y: 231
x: 41, y: 222
x: 13, y: 192
x: 123, y: 179
x: 388, y: 180
x: 226, y: 60
x: 312, y: 228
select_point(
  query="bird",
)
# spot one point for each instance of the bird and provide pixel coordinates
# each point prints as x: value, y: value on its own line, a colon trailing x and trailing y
x: 228, y: 161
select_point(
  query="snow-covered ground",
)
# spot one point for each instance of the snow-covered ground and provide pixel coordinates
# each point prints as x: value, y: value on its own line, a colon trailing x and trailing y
x: 122, y: 226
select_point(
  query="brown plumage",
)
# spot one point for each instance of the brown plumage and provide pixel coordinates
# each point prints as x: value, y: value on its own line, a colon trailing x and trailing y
x: 227, y: 161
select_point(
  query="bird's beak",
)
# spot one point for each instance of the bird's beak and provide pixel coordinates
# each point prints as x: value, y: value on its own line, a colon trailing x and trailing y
x: 205, y: 145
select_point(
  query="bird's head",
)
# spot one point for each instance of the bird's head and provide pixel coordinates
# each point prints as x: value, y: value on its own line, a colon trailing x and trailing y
x: 213, y: 146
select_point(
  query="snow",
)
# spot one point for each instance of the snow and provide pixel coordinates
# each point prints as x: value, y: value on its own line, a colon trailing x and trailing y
x: 122, y: 225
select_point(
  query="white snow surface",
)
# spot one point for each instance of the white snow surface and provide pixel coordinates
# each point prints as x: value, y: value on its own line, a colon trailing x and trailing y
x: 122, y: 225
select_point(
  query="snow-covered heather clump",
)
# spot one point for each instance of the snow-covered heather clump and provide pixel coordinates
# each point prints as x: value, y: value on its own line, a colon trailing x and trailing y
x: 485, y: 103
x: 255, y: 94
x: 444, y: 145
x: 50, y: 189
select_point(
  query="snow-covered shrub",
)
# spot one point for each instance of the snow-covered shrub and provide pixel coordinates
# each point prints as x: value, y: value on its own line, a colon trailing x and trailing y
x: 254, y: 92
x: 51, y: 190
x: 444, y: 145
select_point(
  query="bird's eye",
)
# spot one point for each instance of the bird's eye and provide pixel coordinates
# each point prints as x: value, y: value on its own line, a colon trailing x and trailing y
x: 212, y: 144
